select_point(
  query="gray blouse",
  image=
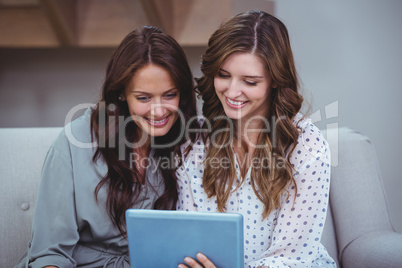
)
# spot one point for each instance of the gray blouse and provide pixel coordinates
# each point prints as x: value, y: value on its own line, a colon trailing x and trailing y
x: 70, y: 228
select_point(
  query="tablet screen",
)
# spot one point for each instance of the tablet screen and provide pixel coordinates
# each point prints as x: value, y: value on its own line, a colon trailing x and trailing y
x: 161, y: 238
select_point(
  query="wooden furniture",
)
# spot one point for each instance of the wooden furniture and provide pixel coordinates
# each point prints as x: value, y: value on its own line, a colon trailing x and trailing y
x: 104, y: 23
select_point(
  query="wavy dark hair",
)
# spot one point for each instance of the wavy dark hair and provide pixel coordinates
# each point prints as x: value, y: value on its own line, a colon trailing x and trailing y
x: 139, y: 48
x: 265, y: 36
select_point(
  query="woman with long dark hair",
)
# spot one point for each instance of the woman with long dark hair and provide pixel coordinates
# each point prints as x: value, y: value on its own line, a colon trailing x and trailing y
x: 262, y: 157
x: 118, y: 155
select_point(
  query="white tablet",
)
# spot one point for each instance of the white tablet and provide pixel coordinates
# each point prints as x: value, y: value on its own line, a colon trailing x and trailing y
x: 162, y: 238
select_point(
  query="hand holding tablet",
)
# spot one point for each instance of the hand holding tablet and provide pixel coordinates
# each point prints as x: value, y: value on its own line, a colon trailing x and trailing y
x: 201, y: 258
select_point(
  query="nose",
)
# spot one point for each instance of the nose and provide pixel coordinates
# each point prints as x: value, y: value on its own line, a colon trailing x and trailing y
x: 158, y: 110
x: 234, y: 89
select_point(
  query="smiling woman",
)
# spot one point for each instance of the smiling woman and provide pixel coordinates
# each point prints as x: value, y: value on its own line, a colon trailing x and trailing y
x: 153, y: 103
x: 147, y: 98
x: 272, y: 166
x: 243, y: 85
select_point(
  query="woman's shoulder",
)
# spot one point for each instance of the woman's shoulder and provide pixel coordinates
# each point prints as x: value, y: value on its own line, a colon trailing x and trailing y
x: 310, y: 139
x: 192, y: 154
x: 192, y: 145
x: 76, y: 134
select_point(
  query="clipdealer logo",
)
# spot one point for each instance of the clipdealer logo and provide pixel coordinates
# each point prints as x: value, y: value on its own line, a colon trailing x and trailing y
x: 330, y: 132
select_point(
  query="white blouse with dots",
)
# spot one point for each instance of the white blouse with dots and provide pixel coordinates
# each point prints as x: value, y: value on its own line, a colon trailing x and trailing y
x: 290, y: 236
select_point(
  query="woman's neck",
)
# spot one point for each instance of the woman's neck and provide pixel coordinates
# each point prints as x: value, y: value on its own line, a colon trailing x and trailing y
x: 246, y: 139
x: 246, y: 135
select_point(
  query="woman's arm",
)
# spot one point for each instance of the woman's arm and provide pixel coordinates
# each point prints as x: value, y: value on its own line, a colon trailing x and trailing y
x: 296, y: 238
x: 55, y: 231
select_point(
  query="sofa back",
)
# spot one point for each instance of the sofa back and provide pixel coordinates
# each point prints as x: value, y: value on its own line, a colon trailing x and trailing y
x: 23, y: 151
x: 21, y: 159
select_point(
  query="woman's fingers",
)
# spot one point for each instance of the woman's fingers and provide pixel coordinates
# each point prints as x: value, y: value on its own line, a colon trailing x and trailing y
x: 182, y: 266
x: 190, y: 262
x: 194, y: 264
x: 205, y: 261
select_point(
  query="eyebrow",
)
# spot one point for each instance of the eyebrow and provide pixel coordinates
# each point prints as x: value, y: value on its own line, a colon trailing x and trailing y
x: 147, y: 93
x: 247, y: 76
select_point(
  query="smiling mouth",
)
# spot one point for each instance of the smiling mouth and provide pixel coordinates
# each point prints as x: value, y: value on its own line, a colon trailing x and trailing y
x: 158, y: 123
x: 235, y: 104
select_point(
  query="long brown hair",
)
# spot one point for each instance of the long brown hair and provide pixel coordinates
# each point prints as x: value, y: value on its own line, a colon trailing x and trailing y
x: 265, y: 36
x: 138, y: 48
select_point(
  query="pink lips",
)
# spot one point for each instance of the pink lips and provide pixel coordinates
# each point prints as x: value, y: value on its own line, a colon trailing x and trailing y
x: 233, y: 105
x: 158, y: 123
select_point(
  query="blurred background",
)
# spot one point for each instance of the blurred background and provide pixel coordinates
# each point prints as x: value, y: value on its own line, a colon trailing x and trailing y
x: 53, y: 56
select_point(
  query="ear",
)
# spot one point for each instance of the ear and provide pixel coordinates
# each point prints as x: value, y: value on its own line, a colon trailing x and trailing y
x: 122, y: 97
x: 274, y: 85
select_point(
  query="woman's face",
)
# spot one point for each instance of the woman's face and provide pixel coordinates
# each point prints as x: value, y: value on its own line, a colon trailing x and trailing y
x: 153, y: 100
x: 243, y: 86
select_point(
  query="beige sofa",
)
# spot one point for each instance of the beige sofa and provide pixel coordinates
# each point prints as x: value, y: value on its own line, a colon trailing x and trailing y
x: 358, y: 232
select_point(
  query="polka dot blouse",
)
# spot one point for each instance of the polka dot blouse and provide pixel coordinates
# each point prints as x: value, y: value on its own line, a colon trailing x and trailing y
x: 290, y: 236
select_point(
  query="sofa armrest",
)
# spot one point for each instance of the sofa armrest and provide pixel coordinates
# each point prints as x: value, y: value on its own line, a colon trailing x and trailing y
x: 374, y: 249
x: 357, y: 197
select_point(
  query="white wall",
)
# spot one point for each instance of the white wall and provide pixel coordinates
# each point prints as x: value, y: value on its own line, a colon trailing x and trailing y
x: 346, y: 51
x: 351, y: 52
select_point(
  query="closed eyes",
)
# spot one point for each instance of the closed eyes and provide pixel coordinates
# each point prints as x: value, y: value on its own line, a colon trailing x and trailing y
x: 248, y: 82
x: 167, y: 96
